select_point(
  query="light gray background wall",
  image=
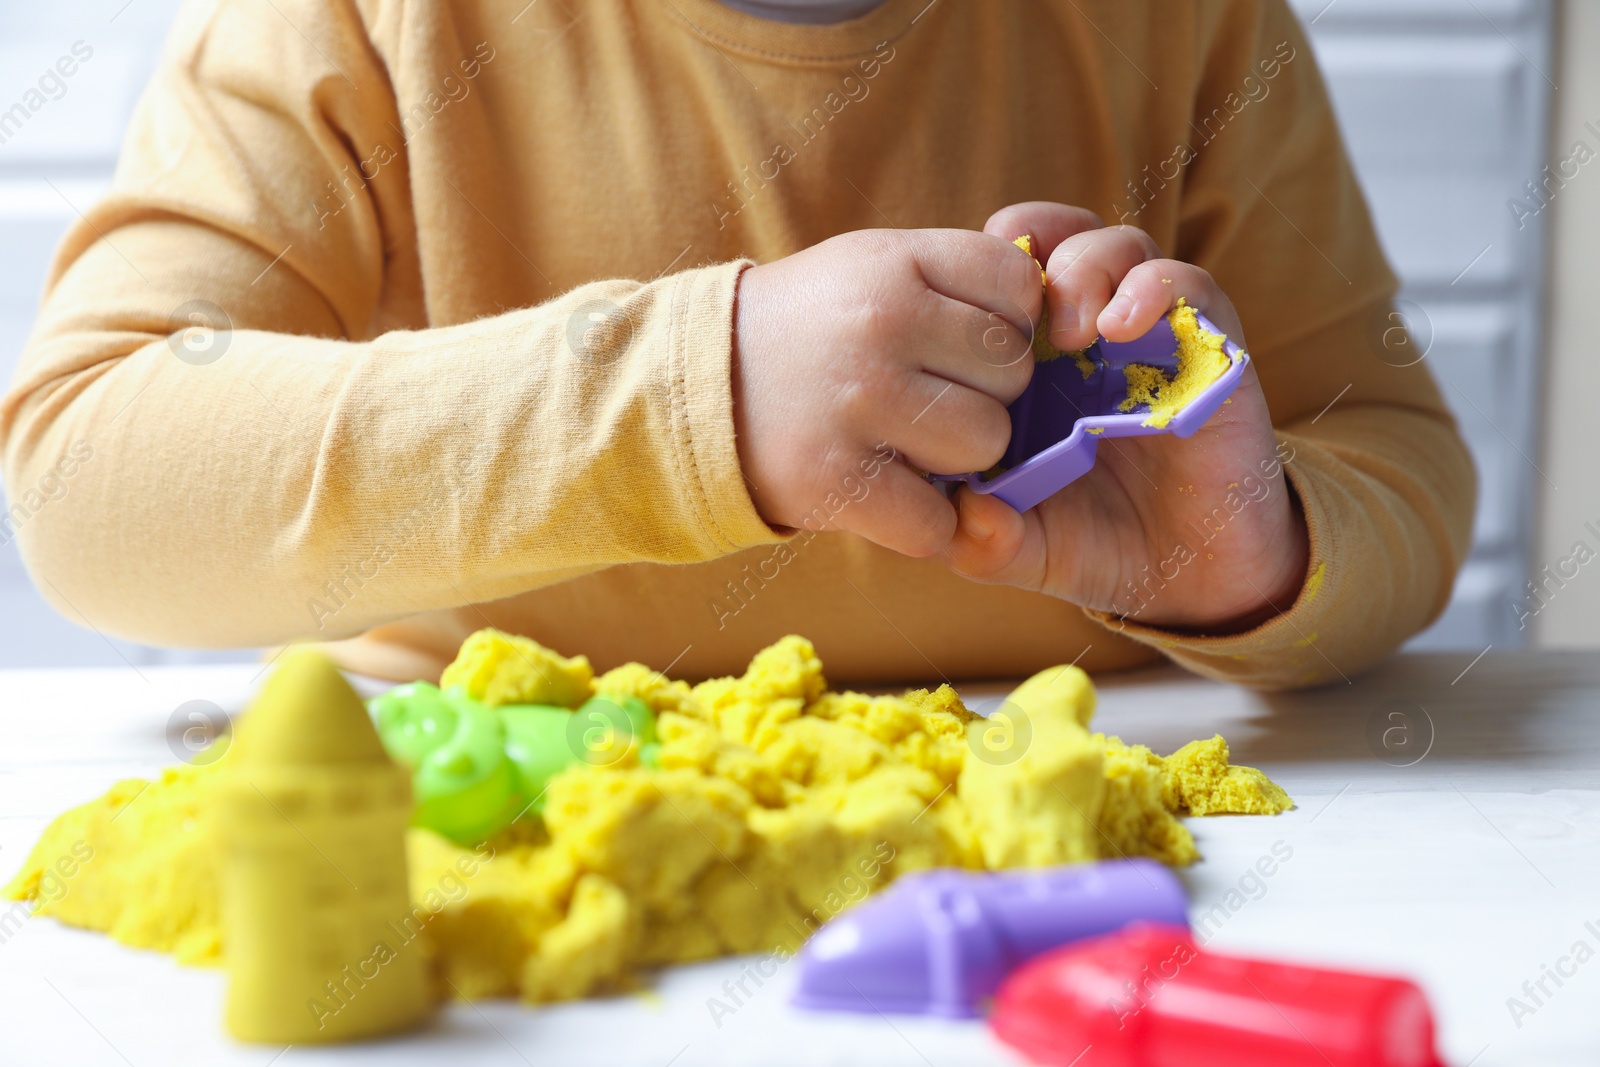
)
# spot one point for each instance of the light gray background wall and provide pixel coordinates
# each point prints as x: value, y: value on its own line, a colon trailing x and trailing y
x: 1445, y: 104
x: 1570, y: 614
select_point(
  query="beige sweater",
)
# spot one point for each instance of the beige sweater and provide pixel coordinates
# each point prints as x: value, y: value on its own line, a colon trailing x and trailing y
x: 430, y: 412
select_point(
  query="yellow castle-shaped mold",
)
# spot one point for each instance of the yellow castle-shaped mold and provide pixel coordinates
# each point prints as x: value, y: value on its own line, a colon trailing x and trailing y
x: 311, y: 819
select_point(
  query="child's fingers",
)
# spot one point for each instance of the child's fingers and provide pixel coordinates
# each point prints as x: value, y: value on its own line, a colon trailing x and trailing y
x: 994, y: 544
x: 902, y: 512
x: 1048, y: 223
x: 947, y: 428
x: 976, y: 269
x: 1151, y: 289
x: 980, y: 349
x: 1084, y: 272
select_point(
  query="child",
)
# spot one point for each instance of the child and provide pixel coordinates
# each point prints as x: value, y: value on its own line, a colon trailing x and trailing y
x: 339, y: 353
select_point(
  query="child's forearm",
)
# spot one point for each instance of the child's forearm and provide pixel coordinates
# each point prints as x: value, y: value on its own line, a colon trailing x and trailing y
x: 271, y: 484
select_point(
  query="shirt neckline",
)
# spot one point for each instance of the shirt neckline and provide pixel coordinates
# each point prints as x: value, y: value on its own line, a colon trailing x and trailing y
x: 729, y: 29
x: 809, y: 12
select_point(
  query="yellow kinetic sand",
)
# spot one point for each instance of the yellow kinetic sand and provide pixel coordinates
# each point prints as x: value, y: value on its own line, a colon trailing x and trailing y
x: 1201, y: 361
x: 309, y: 815
x: 497, y: 668
x: 773, y: 805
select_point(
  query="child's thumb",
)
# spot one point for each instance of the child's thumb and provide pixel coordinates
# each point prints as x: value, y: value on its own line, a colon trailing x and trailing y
x: 992, y: 543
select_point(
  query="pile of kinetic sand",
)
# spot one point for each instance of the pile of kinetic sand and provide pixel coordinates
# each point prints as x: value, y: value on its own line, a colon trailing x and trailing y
x: 776, y: 804
x: 1201, y: 361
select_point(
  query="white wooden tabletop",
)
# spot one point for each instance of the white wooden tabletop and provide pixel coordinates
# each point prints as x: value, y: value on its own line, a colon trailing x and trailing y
x: 1448, y: 828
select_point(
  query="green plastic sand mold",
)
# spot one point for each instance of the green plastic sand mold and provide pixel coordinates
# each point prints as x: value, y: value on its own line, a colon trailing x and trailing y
x: 476, y: 769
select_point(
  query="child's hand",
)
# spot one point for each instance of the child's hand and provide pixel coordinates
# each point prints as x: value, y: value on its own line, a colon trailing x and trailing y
x: 1149, y: 502
x: 910, y: 340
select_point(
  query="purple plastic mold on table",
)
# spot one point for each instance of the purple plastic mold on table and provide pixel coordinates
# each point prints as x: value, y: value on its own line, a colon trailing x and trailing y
x: 1051, y: 422
x: 941, y: 942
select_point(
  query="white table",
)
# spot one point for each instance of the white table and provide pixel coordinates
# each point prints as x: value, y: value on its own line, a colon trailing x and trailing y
x: 1469, y: 870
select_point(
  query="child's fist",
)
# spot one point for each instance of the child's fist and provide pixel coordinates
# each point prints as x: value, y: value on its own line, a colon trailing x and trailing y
x: 1139, y: 534
x: 874, y: 344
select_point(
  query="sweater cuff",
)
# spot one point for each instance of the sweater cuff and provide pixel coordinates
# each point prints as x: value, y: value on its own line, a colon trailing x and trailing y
x: 1286, y: 651
x: 700, y: 366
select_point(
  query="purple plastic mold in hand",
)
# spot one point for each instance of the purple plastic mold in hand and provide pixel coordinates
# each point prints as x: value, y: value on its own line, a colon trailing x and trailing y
x: 1059, y: 419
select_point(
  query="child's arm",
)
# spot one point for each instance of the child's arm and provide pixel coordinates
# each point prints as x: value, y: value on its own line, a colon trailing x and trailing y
x: 335, y: 460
